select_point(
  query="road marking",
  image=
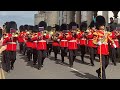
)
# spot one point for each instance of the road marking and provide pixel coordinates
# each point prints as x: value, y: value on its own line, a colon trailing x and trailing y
x: 76, y: 70
x: 2, y: 75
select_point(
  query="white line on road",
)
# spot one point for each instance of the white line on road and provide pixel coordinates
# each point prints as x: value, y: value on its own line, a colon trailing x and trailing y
x: 76, y: 70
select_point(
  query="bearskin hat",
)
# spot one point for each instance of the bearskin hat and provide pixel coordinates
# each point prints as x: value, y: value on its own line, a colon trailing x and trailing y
x: 26, y: 27
x: 35, y: 29
x: 72, y: 25
x: 57, y: 27
x: 7, y: 27
x: 11, y: 26
x: 31, y: 27
x: 100, y: 21
x: 49, y: 28
x: 83, y: 26
x: 92, y: 24
x: 42, y: 24
x: 21, y: 28
x: 63, y: 27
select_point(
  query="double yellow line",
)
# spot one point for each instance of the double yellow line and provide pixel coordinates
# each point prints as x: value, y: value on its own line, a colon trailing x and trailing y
x: 2, y: 75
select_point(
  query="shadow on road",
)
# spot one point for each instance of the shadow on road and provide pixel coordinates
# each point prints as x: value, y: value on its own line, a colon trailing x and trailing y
x: 29, y: 63
x: 79, y: 61
x: 59, y: 61
x: 87, y: 75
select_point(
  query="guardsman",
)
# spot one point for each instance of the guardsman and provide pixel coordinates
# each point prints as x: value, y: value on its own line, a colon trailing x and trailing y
x: 63, y: 41
x: 25, y: 32
x: 34, y: 46
x: 49, y: 44
x: 101, y: 39
x: 21, y: 38
x: 29, y: 44
x: 10, y: 41
x: 114, y: 51
x: 42, y: 44
x: 72, y: 43
x: 118, y: 36
x: 83, y: 41
x: 55, y: 44
x: 92, y: 47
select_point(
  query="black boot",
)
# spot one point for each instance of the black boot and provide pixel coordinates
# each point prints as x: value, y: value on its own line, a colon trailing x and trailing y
x: 82, y: 59
x: 98, y: 72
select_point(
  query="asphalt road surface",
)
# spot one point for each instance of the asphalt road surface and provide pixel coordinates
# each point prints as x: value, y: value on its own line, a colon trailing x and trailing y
x: 24, y: 69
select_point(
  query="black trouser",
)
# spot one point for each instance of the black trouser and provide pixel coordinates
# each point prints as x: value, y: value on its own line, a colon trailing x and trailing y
x: 63, y: 52
x: 56, y: 51
x: 21, y: 47
x: 72, y: 55
x: 119, y: 53
x: 35, y: 55
x: 24, y: 49
x: 105, y: 62
x: 83, y: 51
x: 92, y: 51
x: 41, y: 57
x: 10, y: 58
x: 49, y: 48
x: 3, y: 58
x: 114, y: 54
x: 29, y: 53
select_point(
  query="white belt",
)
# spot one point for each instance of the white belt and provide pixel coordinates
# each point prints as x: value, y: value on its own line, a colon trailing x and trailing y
x: 34, y: 41
x: 90, y: 39
x: 83, y: 39
x: 72, y: 41
x: 64, y: 40
x: 41, y: 41
x: 11, y: 42
x: 116, y: 40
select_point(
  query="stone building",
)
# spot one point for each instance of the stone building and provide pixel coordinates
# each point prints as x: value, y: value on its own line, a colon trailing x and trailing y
x: 59, y: 17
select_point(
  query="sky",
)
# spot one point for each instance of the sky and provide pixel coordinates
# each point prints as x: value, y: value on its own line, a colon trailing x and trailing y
x: 21, y: 17
x: 26, y: 17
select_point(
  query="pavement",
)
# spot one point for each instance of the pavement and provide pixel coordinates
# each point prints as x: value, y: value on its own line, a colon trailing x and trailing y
x: 24, y: 69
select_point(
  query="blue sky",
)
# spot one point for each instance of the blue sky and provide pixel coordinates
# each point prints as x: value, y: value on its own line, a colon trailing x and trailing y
x: 21, y: 17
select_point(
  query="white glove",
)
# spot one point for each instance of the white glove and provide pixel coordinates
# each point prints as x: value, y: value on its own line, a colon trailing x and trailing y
x: 99, y: 43
x: 114, y: 45
x: 58, y: 40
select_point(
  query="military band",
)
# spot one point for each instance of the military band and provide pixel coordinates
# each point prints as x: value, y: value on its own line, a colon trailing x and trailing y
x: 67, y: 40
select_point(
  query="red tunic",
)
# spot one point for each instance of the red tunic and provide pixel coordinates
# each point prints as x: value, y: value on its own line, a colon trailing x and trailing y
x: 104, y: 46
x: 10, y: 42
x: 21, y: 37
x: 34, y: 41
x: 42, y: 44
x: 115, y: 39
x: 83, y: 40
x: 72, y: 44
x: 90, y: 37
x: 28, y: 43
x: 64, y: 40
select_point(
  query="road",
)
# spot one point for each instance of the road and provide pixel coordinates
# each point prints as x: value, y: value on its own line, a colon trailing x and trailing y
x: 24, y: 69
